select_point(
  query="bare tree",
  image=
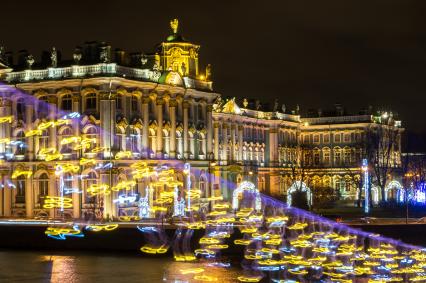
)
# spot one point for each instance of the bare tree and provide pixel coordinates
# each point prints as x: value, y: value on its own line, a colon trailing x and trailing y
x: 382, y: 141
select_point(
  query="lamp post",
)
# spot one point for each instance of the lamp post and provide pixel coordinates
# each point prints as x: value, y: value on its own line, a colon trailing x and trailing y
x: 364, y: 169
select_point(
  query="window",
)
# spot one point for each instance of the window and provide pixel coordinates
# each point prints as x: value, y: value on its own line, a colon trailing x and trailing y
x: 347, y: 137
x: 43, y: 187
x: 91, y: 102
x: 327, y: 157
x: 358, y: 137
x: 20, y: 143
x: 20, y: 189
x: 90, y: 180
x: 316, y: 157
x: 306, y: 138
x: 348, y: 185
x: 200, y: 112
x: 119, y: 102
x: 326, y: 138
x: 337, y: 137
x: 66, y: 102
x: 43, y: 140
x: 337, y: 156
x: 20, y: 108
x: 347, y: 156
x: 134, y: 140
x: 316, y: 138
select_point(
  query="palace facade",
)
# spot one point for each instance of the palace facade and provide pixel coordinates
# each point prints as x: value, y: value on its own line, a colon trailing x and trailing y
x: 161, y: 108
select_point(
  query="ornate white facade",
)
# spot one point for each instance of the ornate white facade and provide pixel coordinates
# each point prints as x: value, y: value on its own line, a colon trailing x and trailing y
x: 162, y: 109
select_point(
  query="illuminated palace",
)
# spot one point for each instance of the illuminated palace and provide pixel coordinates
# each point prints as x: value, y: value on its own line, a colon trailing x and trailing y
x: 161, y: 108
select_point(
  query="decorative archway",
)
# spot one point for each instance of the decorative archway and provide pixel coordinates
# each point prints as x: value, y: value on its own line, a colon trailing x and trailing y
x: 246, y: 186
x: 391, y: 186
x: 375, y: 195
x: 299, y: 185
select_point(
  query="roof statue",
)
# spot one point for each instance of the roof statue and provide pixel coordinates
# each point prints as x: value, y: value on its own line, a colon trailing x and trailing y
x: 174, y: 24
x: 231, y: 107
x: 54, y: 58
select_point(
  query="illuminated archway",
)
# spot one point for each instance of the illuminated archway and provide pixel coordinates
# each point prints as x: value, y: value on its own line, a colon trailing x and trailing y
x: 246, y: 186
x: 393, y: 185
x: 299, y: 186
x: 375, y: 195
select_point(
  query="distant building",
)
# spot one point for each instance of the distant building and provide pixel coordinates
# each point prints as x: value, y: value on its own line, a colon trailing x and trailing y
x: 161, y: 107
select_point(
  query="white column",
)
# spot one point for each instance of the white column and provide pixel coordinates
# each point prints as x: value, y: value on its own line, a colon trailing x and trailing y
x: 107, y: 117
x: 29, y: 112
x: 209, y: 120
x: 52, y: 117
x: 216, y: 141
x: 160, y: 103
x: 172, y: 105
x: 29, y: 205
x: 76, y: 199
x: 240, y: 142
x: 233, y: 157
x: 7, y: 197
x: 225, y: 141
x: 185, y: 106
x: 145, y: 132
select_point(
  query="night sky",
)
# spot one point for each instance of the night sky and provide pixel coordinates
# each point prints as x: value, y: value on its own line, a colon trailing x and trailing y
x: 312, y: 53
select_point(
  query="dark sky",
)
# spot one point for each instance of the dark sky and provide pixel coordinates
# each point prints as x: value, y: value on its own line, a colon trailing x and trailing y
x: 314, y: 53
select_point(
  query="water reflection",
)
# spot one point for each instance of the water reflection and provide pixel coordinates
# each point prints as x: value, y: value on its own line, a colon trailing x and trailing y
x: 34, y: 266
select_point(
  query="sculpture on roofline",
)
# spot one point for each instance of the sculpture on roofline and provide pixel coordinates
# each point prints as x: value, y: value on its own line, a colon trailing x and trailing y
x: 54, y: 57
x: 217, y: 106
x: 245, y: 103
x: 283, y: 108
x: 276, y: 104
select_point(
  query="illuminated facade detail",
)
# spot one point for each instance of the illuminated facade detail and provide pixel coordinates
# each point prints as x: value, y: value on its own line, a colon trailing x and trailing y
x: 98, y: 118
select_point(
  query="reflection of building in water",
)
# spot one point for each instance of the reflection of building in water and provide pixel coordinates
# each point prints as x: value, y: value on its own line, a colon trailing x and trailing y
x: 161, y: 108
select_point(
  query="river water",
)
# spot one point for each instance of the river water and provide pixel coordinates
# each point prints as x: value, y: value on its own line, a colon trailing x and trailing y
x: 64, y: 267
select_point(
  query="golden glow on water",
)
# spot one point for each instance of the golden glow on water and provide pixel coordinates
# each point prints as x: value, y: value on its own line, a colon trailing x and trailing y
x: 63, y: 268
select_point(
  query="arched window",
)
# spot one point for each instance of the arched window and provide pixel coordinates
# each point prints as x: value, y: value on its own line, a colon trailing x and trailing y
x: 20, y: 189
x: 20, y: 108
x: 91, y: 102
x: 326, y: 156
x: 91, y: 133
x: 134, y: 140
x: 203, y: 187
x: 337, y: 156
x: 119, y: 139
x: 66, y: 148
x: 89, y: 181
x: 119, y: 103
x: 66, y: 102
x: 43, y: 140
x: 347, y: 156
x: 42, y: 107
x: 43, y: 187
x: 20, y: 143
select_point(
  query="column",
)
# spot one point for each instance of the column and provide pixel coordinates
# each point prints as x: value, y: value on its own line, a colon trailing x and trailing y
x: 209, y: 121
x: 172, y: 105
x: 76, y: 124
x: 225, y: 141
x: 29, y: 198
x: 107, y: 199
x: 29, y: 113
x: 233, y: 157
x: 52, y: 191
x: 272, y: 147
x: 216, y: 141
x: 107, y: 117
x: 76, y: 203
x: 240, y: 142
x: 145, y: 132
x: 2, y: 179
x: 52, y: 117
x: 185, y: 105
x: 160, y: 103
x: 5, y: 110
x: 7, y: 197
